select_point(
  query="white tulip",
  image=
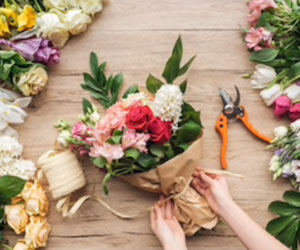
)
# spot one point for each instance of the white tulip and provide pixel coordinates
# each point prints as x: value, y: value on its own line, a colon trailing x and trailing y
x: 76, y: 21
x: 295, y: 126
x: 51, y: 27
x: 91, y: 7
x: 270, y: 95
x: 293, y: 92
x: 262, y: 76
x: 280, y: 132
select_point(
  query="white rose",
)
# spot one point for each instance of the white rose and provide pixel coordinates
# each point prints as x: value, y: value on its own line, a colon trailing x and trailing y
x: 95, y: 117
x: 293, y: 92
x: 295, y: 126
x: 91, y: 6
x: 262, y: 76
x: 52, y: 28
x: 76, y: 21
x: 63, y: 138
x: 270, y: 95
x: 55, y: 4
x: 280, y: 132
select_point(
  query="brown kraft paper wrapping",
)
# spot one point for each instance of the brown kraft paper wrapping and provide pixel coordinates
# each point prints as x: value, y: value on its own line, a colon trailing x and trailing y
x: 172, y: 178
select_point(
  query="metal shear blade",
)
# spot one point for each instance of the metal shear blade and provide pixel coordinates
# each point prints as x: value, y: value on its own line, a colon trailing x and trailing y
x: 231, y: 107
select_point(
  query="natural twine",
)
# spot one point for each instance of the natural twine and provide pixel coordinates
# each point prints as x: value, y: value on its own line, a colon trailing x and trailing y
x: 65, y: 175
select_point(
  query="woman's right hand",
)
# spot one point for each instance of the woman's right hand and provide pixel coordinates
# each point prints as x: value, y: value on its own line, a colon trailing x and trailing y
x: 215, y: 189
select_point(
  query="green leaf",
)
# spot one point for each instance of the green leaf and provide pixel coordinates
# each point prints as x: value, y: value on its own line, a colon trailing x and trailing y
x: 146, y: 161
x: 131, y: 90
x: 94, y: 64
x: 132, y: 153
x: 277, y: 225
x: 289, y: 235
x: 265, y: 55
x: 153, y: 84
x: 11, y: 186
x: 169, y: 151
x: 157, y: 150
x: 186, y: 67
x: 117, y: 137
x: 294, y: 71
x: 283, y: 208
x: 172, y: 68
x: 292, y: 197
x: 189, y: 132
x: 183, y: 86
x: 116, y: 86
x: 87, y: 106
x: 100, y: 162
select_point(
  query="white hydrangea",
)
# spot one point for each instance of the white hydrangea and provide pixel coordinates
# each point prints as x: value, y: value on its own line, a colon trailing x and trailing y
x: 20, y: 168
x: 168, y: 102
x: 10, y: 149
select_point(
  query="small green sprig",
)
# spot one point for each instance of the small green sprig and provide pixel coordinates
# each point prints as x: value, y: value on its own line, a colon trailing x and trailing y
x: 286, y: 227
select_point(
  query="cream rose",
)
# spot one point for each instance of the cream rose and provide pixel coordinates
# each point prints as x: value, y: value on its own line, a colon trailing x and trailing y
x: 16, y: 217
x: 50, y: 26
x: 36, y: 201
x: 56, y: 4
x: 91, y: 6
x: 76, y: 21
x: 37, y: 232
x: 21, y: 245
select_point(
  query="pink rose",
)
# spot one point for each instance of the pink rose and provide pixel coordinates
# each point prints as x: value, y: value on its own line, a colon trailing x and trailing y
x: 258, y: 39
x: 79, y: 130
x: 295, y: 112
x: 282, y: 106
x: 131, y: 139
x: 108, y: 151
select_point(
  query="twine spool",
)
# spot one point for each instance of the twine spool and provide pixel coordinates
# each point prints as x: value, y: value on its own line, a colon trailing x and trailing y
x: 63, y: 172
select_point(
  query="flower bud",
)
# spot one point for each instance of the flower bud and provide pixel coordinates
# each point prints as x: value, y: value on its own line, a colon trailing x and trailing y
x: 16, y: 217
x: 63, y: 138
x: 280, y: 132
x: 36, y: 201
x: 37, y: 232
x: 270, y: 95
x: 293, y: 92
x: 295, y: 126
x: 262, y: 76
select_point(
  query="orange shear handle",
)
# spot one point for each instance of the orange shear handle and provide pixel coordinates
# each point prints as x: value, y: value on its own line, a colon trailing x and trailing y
x: 249, y: 126
x: 222, y: 128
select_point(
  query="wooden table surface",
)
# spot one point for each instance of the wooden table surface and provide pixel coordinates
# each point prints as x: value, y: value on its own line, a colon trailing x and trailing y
x: 136, y: 37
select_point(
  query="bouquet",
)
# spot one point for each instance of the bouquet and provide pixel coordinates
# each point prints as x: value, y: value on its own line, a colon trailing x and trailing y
x: 273, y: 42
x: 151, y: 140
x: 286, y: 160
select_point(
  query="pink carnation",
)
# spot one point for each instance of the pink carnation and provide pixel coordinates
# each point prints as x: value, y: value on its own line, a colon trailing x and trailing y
x: 108, y: 151
x: 131, y: 139
x: 258, y: 39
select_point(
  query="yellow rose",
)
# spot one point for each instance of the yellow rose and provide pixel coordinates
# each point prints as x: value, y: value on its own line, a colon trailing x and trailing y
x: 36, y: 201
x: 11, y: 15
x: 28, y: 19
x: 37, y: 232
x: 51, y: 27
x: 4, y: 29
x: 16, y: 217
x: 76, y: 21
x: 21, y: 245
x: 32, y: 82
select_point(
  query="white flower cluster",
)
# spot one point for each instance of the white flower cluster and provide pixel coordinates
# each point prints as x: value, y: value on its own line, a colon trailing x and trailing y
x: 168, y: 102
x: 11, y: 162
x: 66, y: 17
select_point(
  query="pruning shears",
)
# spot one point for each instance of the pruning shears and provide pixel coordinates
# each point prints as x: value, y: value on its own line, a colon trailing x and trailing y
x: 233, y: 110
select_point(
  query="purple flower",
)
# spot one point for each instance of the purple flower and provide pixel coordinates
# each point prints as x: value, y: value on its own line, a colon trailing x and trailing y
x: 279, y: 152
x: 35, y: 49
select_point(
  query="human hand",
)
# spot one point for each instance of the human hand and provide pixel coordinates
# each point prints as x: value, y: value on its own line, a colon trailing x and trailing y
x: 166, y: 227
x: 215, y: 189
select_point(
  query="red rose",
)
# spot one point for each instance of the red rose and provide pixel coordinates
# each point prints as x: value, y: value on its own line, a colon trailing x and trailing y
x: 160, y: 132
x: 139, y: 118
x: 295, y: 112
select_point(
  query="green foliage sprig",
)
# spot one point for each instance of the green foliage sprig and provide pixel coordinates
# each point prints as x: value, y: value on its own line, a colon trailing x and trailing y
x: 286, y: 227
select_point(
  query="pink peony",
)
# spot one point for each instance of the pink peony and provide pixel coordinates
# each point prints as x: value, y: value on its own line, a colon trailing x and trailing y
x: 79, y: 130
x: 131, y: 139
x: 295, y: 112
x: 258, y: 39
x: 282, y: 106
x: 108, y: 151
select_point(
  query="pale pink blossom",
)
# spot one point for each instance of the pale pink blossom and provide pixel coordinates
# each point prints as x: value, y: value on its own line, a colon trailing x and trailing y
x: 257, y: 7
x: 102, y: 132
x: 108, y: 151
x: 116, y: 117
x: 258, y: 39
x: 131, y: 139
x: 254, y: 16
x: 79, y: 130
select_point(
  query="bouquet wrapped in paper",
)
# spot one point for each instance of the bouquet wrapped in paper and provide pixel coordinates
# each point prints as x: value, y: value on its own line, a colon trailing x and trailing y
x: 151, y: 140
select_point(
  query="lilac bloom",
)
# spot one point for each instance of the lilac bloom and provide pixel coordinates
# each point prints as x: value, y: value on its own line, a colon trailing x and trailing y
x: 35, y: 49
